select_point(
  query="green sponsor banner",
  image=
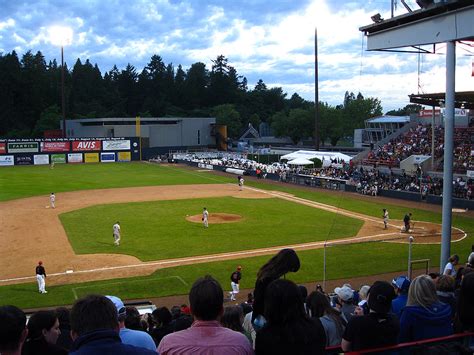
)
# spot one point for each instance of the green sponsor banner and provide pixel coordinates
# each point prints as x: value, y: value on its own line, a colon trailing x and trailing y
x: 23, y: 147
x: 58, y: 158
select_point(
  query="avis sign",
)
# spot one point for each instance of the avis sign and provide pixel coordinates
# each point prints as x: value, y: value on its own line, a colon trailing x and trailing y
x: 85, y: 146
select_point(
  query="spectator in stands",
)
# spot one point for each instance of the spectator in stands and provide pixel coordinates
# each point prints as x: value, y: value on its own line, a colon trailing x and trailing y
x: 233, y: 318
x: 470, y: 258
x: 450, y: 268
x: 285, y: 261
x: 304, y: 294
x: 401, y: 285
x: 288, y: 329
x: 164, y: 324
x: 206, y: 335
x: 43, y: 333
x: 362, y: 306
x: 379, y: 327
x: 464, y: 319
x: 344, y: 301
x: 445, y: 287
x: 249, y: 329
x: 319, y: 307
x: 424, y: 316
x: 132, y: 319
x: 13, y: 331
x: 129, y: 336
x: 64, y: 339
x: 95, y: 329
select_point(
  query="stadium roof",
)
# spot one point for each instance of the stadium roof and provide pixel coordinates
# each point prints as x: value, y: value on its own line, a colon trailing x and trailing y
x: 461, y: 99
x: 389, y: 119
x: 310, y: 154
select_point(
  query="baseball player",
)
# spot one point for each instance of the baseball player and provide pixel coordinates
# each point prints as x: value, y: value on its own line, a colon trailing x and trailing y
x: 52, y: 200
x: 406, y: 221
x: 385, y: 218
x: 116, y: 233
x: 234, y: 282
x: 241, y: 183
x: 205, y: 217
x: 41, y: 277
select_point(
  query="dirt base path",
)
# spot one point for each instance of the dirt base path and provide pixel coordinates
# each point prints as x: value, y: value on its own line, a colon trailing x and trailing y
x: 32, y: 231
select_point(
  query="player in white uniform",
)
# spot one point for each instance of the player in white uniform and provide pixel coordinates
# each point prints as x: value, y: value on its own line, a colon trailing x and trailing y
x: 52, y: 200
x: 385, y: 218
x: 205, y: 217
x: 241, y: 183
x: 116, y: 234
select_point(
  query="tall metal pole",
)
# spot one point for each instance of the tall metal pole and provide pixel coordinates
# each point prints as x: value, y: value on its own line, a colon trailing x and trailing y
x: 63, y: 102
x: 410, y: 244
x: 324, y: 266
x: 433, y: 138
x: 316, y: 92
x: 448, y: 153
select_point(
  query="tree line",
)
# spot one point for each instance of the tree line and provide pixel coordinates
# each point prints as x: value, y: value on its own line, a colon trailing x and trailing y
x: 30, y: 98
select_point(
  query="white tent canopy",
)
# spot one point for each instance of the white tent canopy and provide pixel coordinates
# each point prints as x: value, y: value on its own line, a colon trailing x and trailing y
x: 310, y: 154
x: 300, y: 161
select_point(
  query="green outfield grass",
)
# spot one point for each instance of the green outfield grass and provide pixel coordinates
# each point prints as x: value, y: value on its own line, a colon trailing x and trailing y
x: 159, y: 229
x: 343, y: 261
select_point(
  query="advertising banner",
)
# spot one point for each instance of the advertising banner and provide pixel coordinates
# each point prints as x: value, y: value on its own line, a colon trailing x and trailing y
x: 85, y: 146
x: 116, y: 145
x: 58, y: 158
x: 23, y: 160
x: 55, y: 146
x: 74, y: 158
x: 91, y: 157
x: 124, y: 156
x: 3, y: 148
x: 23, y: 147
x: 41, y: 159
x: 107, y: 157
x: 6, y: 160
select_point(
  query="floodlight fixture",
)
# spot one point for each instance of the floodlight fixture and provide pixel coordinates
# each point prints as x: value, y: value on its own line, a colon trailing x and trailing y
x: 377, y: 18
x: 60, y: 35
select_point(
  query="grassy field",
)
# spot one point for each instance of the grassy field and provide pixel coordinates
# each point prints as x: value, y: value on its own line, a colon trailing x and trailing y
x: 342, y: 261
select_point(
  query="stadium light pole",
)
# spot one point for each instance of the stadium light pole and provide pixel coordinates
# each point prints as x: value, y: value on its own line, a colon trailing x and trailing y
x: 61, y: 36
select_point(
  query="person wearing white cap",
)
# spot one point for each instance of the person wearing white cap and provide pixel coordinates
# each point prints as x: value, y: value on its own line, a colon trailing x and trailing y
x: 401, y: 285
x: 344, y: 303
x: 130, y: 336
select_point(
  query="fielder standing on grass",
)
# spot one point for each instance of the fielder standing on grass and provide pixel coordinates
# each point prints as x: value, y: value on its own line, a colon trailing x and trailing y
x: 385, y: 218
x: 241, y: 183
x: 116, y: 233
x: 205, y: 217
x: 41, y: 277
x: 52, y: 200
x: 234, y: 282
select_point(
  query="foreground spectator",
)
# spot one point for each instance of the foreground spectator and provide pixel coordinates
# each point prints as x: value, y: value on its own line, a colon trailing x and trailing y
x: 288, y: 330
x: 64, y: 339
x: 424, y: 316
x: 464, y: 319
x: 95, y: 329
x: 43, y: 333
x: 450, y: 268
x: 333, y: 324
x: 445, y: 286
x: 378, y: 328
x: 401, y: 285
x: 206, y: 335
x: 13, y: 331
x: 344, y: 301
x: 285, y: 261
x: 164, y: 326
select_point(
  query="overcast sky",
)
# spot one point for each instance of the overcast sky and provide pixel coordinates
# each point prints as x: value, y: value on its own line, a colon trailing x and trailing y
x: 262, y: 39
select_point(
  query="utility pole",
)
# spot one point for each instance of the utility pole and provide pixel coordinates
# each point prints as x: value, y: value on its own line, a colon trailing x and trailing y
x: 316, y: 92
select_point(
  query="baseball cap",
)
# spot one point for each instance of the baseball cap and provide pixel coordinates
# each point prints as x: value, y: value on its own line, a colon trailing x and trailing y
x: 402, y: 283
x: 239, y: 267
x: 345, y: 293
x: 118, y: 304
x: 381, y: 295
x: 40, y: 262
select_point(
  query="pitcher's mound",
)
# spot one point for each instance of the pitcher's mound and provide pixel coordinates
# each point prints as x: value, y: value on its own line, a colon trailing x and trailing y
x: 216, y: 218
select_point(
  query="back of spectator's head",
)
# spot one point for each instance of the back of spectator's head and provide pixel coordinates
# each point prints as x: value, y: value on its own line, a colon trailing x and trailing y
x: 402, y: 284
x: 39, y: 321
x: 345, y: 293
x: 470, y: 259
x: 445, y: 283
x: 175, y: 312
x: 303, y: 292
x: 454, y: 259
x: 132, y: 318
x: 318, y: 304
x: 91, y: 313
x: 434, y: 275
x: 233, y: 318
x: 183, y: 322
x: 363, y: 292
x: 422, y: 292
x: 283, y: 303
x: 63, y: 314
x: 380, y: 298
x: 465, y: 305
x: 285, y: 261
x: 162, y: 315
x: 13, y: 330
x: 206, y: 298
x: 120, y: 306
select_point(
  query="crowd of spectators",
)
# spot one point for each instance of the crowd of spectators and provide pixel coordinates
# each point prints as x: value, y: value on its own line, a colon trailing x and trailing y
x: 281, y: 319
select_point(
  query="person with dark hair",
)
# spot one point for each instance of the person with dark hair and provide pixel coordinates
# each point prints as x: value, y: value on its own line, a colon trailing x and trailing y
x: 378, y: 328
x: 13, y: 331
x: 233, y: 318
x: 464, y: 319
x: 43, y: 333
x: 450, y: 268
x: 288, y: 330
x: 41, y: 277
x: 320, y: 308
x: 304, y: 294
x: 164, y: 326
x: 206, y: 335
x: 95, y: 329
x: 285, y: 261
x: 133, y: 337
x: 132, y: 318
x: 64, y: 339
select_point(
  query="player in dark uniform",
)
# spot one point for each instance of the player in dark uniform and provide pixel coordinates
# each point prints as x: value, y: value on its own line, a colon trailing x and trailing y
x: 41, y: 277
x: 406, y: 221
x: 234, y: 282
